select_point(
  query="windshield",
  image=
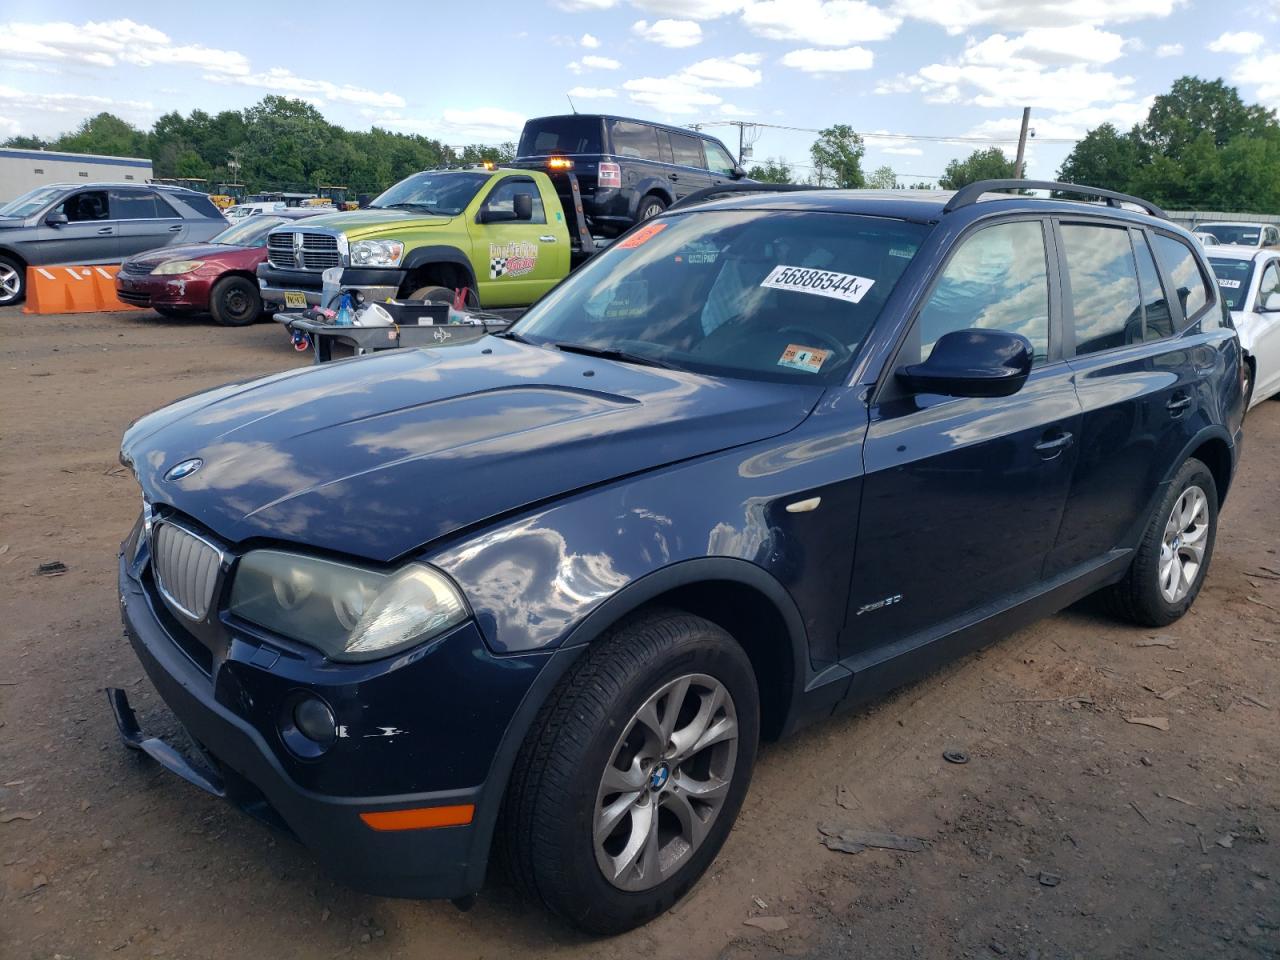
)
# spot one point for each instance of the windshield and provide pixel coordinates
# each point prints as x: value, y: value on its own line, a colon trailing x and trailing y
x: 443, y: 193
x: 30, y: 202
x: 1233, y: 279
x: 250, y: 232
x: 1229, y: 234
x: 550, y: 135
x: 764, y: 295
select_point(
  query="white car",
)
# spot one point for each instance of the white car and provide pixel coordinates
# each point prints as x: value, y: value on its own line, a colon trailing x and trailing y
x: 242, y: 210
x: 1250, y: 283
x: 1242, y: 234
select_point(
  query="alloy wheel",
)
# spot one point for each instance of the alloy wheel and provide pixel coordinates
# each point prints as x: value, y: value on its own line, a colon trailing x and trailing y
x: 666, y: 782
x: 1182, y: 548
x: 10, y: 283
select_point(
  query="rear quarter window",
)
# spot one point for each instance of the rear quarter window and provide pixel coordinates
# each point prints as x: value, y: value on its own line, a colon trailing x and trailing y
x: 1190, y: 286
x: 636, y: 140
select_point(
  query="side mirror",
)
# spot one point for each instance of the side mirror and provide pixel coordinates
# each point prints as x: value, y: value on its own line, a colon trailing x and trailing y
x: 489, y: 215
x: 738, y: 173
x: 523, y: 204
x: 972, y: 363
x: 56, y: 219
x: 1270, y: 303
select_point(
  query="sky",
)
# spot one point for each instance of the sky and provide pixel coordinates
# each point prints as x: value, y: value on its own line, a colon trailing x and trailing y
x: 924, y: 81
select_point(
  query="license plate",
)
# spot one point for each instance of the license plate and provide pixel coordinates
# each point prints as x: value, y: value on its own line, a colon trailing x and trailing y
x: 293, y: 298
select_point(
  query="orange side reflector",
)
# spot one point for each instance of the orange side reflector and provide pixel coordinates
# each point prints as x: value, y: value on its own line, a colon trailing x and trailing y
x: 420, y: 818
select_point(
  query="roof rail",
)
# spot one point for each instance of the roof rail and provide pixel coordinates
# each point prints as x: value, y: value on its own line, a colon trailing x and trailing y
x: 972, y: 192
x: 698, y: 196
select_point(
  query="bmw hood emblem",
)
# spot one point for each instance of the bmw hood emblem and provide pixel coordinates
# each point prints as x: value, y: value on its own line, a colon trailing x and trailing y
x: 184, y: 469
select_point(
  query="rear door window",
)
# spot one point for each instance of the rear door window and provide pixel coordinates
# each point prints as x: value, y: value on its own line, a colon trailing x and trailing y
x: 1189, y: 283
x: 996, y: 280
x: 636, y: 140
x: 1155, y: 304
x: 686, y: 151
x: 556, y: 135
x: 1102, y: 277
x: 135, y: 205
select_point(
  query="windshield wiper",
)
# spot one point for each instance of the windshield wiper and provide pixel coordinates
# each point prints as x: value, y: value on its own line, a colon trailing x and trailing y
x: 512, y: 335
x: 609, y: 353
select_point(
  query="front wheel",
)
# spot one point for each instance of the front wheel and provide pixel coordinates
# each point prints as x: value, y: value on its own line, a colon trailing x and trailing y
x: 1173, y: 556
x: 634, y: 772
x: 235, y: 302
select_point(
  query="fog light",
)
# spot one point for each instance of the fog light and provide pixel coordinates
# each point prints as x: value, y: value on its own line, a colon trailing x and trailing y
x: 314, y: 720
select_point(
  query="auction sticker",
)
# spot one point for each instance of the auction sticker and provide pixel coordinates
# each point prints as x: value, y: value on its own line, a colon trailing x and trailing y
x: 643, y: 235
x: 822, y: 283
x: 1229, y: 284
x: 808, y: 359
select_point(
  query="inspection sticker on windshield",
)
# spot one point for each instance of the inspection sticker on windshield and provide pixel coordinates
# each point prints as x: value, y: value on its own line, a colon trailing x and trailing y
x: 822, y: 283
x: 1229, y: 284
x: 642, y: 235
x: 808, y: 359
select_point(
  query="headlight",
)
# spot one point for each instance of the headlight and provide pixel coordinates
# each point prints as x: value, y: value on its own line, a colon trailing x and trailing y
x: 172, y: 267
x: 376, y: 253
x: 344, y: 612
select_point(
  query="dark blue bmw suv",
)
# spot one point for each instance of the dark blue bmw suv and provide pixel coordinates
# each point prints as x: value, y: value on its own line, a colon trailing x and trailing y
x: 762, y: 459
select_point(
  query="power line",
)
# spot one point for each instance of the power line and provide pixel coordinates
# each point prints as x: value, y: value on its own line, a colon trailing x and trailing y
x: 895, y: 136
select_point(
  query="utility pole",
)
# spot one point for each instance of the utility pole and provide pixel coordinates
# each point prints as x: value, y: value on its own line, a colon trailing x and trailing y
x: 1022, y: 143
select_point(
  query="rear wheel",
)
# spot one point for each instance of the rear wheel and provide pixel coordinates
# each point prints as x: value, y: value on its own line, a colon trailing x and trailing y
x: 13, y: 282
x: 650, y: 207
x: 1173, y: 556
x: 633, y: 774
x: 235, y: 302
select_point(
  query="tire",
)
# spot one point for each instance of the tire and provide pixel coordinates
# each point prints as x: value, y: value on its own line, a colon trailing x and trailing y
x: 557, y: 796
x: 235, y: 302
x: 1141, y: 596
x: 438, y: 294
x: 13, y: 282
x: 650, y: 207
x: 1248, y: 384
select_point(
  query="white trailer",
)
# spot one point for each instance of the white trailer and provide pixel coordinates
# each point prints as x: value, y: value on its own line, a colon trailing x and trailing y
x: 22, y: 170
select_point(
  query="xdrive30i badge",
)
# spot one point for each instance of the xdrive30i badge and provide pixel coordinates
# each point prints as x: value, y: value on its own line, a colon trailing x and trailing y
x: 184, y: 469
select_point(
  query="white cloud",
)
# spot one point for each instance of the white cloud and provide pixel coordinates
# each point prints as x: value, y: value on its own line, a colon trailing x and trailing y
x: 688, y: 91
x: 1244, y: 42
x: 829, y: 61
x: 693, y: 9
x: 1082, y: 43
x: 729, y: 110
x: 578, y: 6
x: 669, y: 33
x: 1169, y: 50
x: 903, y: 151
x: 957, y: 16
x: 1072, y: 124
x: 109, y: 43
x: 1262, y: 73
x: 593, y: 62
x: 590, y: 42
x: 46, y: 114
x: 834, y: 23
x: 482, y: 124
x: 282, y: 80
x: 593, y: 93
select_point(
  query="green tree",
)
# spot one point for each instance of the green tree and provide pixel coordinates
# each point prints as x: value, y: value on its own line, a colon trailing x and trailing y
x: 1104, y: 158
x: 883, y: 178
x: 989, y: 164
x: 773, y: 171
x: 26, y: 143
x: 1194, y: 106
x: 105, y: 134
x: 837, y: 157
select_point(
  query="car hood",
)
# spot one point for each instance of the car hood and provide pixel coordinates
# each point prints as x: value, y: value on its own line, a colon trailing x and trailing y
x: 151, y: 259
x: 377, y: 456
x: 367, y: 221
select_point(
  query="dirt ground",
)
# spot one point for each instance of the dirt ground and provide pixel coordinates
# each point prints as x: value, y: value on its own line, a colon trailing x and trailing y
x: 1070, y: 833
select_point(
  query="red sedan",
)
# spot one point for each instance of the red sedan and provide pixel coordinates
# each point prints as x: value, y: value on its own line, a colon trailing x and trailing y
x: 217, y: 277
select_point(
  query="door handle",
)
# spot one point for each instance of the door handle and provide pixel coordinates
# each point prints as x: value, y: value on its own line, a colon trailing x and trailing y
x: 1178, y: 404
x: 106, y: 231
x: 547, y: 238
x: 175, y: 228
x: 673, y: 176
x: 1052, y: 447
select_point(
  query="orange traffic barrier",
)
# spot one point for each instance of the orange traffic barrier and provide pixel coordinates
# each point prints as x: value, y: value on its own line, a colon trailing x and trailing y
x: 72, y: 289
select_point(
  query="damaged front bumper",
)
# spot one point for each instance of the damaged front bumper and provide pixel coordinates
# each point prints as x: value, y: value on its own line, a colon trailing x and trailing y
x: 229, y: 709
